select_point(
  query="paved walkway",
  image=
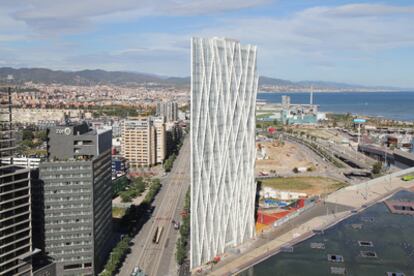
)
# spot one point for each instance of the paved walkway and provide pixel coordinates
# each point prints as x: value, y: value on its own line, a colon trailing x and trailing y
x: 117, y: 202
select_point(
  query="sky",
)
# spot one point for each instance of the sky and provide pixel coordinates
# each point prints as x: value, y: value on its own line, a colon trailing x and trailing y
x: 368, y: 43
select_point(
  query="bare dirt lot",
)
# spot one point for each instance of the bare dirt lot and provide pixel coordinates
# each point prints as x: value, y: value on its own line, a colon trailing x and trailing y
x: 283, y: 158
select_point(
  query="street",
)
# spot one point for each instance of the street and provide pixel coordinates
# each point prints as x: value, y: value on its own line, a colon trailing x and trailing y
x: 156, y: 258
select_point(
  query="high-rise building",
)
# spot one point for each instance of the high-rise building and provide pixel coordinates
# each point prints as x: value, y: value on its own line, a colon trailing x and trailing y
x: 76, y: 199
x: 160, y: 138
x: 143, y: 141
x: 223, y: 100
x: 15, y: 201
x: 168, y: 109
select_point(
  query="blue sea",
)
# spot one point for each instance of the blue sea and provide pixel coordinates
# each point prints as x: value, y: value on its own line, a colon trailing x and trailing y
x: 391, y: 105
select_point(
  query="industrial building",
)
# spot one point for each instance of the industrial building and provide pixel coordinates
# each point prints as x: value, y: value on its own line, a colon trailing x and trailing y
x: 290, y: 114
x: 74, y: 199
x: 15, y: 201
x: 223, y: 189
x: 143, y: 141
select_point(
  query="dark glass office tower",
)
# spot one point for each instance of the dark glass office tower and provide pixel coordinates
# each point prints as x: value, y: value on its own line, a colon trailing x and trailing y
x: 15, y: 209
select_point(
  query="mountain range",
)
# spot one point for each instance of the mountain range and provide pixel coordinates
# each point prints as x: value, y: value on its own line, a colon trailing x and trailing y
x: 93, y: 77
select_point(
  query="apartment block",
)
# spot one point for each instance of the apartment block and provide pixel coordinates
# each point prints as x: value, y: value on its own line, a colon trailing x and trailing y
x: 143, y: 141
x: 160, y: 138
x: 75, y: 196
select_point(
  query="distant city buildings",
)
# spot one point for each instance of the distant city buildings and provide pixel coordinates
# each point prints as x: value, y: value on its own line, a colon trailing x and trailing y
x: 223, y: 188
x: 143, y: 141
x: 15, y: 211
x: 92, y: 97
x: 169, y: 110
x: 73, y: 199
x: 290, y: 114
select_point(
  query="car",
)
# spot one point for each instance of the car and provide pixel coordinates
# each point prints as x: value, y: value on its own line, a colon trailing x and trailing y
x: 135, y: 271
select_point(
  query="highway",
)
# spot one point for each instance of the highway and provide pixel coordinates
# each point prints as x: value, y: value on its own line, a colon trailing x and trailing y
x: 157, y: 258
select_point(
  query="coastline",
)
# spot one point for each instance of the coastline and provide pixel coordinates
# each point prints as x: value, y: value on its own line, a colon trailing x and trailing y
x: 394, y: 105
x: 335, y: 91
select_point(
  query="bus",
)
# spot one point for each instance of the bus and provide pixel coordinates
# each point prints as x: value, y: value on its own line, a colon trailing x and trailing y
x: 157, y: 235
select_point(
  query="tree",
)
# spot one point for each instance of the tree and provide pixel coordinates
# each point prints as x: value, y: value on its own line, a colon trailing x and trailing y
x: 41, y: 135
x: 181, y: 252
x: 27, y: 135
x: 377, y: 167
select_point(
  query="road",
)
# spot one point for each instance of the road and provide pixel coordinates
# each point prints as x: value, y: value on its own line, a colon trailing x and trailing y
x: 152, y: 258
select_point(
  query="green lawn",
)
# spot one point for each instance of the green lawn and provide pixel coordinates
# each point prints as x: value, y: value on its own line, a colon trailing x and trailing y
x: 265, y: 115
x: 118, y: 212
x: 313, y: 185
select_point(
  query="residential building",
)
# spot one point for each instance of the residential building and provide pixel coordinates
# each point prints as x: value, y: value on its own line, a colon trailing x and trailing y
x: 168, y: 109
x: 74, y: 199
x: 15, y: 198
x: 143, y: 141
x: 160, y: 141
x: 138, y: 142
x: 223, y: 189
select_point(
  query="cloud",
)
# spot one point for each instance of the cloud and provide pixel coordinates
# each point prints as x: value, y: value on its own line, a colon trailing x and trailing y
x: 59, y: 16
x: 323, y: 35
x: 312, y: 40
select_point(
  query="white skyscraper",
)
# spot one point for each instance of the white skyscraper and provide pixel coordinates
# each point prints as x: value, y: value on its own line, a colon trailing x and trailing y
x: 223, y: 189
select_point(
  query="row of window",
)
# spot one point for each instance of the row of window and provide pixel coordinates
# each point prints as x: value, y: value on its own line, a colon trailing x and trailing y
x: 67, y: 206
x: 66, y: 183
x: 73, y: 243
x: 60, y: 176
x: 67, y: 229
x: 66, y: 168
x: 69, y: 237
x: 64, y: 221
x: 68, y: 198
x: 67, y: 259
x: 81, y: 190
x: 51, y: 215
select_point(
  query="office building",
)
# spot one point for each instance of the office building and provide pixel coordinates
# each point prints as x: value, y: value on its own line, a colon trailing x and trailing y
x: 168, y: 109
x: 223, y: 101
x: 15, y: 209
x: 75, y: 193
x: 143, y: 141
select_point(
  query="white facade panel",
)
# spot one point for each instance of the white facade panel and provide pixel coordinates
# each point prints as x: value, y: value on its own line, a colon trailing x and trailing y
x: 223, y: 101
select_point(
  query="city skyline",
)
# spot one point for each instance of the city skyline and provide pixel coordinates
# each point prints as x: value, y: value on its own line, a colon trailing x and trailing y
x: 341, y: 41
